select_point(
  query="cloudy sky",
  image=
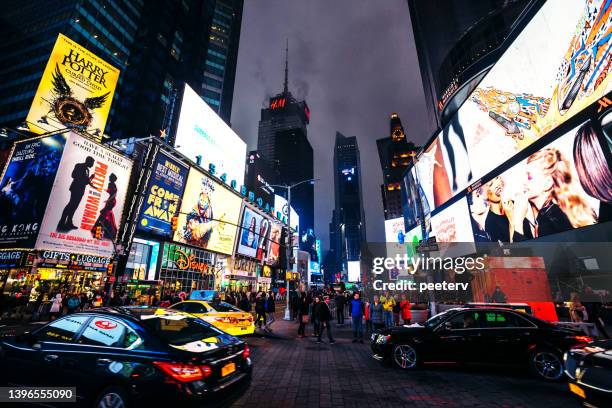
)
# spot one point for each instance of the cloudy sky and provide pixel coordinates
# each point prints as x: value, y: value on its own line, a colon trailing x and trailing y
x: 354, y: 62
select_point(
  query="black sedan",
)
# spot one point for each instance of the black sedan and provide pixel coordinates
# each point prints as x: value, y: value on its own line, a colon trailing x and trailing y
x: 479, y: 335
x: 117, y: 356
x: 589, y: 369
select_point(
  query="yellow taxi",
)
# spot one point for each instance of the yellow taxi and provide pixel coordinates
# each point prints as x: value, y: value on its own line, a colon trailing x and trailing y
x: 222, y: 315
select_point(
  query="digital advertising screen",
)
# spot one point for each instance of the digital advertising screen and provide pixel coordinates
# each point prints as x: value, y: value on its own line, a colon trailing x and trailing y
x: 354, y: 271
x: 28, y: 178
x: 249, y: 233
x: 280, y: 205
x: 539, y: 83
x: 88, y: 195
x: 76, y: 90
x: 410, y: 198
x: 205, y: 138
x: 274, y: 244
x: 452, y: 229
x: 209, y: 214
x: 163, y: 195
x: 563, y: 186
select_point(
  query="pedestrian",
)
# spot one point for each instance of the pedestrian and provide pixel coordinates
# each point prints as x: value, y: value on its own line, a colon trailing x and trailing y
x: 324, y: 317
x: 260, y: 309
x: 366, y: 315
x: 73, y: 303
x: 340, y: 301
x: 245, y: 304
x: 304, y: 302
x: 396, y: 311
x: 357, y: 317
x: 388, y: 302
x: 376, y: 314
x: 270, y: 310
x: 405, y: 309
x: 316, y: 311
x: 56, y: 306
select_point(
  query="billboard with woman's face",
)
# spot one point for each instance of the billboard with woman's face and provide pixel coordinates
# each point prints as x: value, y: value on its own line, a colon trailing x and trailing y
x: 250, y: 233
x: 565, y: 185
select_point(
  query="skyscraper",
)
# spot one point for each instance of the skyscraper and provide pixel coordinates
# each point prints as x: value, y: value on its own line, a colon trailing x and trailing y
x: 172, y: 49
x: 394, y: 153
x: 347, y: 229
x: 282, y: 140
x: 28, y: 31
x: 157, y: 45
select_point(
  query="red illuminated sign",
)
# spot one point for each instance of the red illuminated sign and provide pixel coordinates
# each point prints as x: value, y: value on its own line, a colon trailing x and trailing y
x: 105, y: 324
x: 307, y: 112
x: 277, y: 103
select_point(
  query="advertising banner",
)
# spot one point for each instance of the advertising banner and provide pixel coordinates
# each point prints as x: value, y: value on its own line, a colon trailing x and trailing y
x: 206, y: 139
x: 25, y: 189
x: 249, y: 233
x: 563, y: 186
x: 163, y: 195
x: 452, y: 227
x: 209, y: 214
x: 76, y: 90
x: 88, y: 195
x: 280, y: 205
x: 273, y: 252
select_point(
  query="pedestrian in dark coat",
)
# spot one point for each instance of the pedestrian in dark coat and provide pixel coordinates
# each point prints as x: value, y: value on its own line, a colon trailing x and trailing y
x: 324, y: 317
x: 260, y: 310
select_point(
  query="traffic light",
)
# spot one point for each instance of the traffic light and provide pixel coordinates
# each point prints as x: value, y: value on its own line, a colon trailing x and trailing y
x: 174, y: 223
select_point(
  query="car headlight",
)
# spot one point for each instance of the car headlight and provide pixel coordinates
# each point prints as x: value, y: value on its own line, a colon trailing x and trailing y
x: 383, y: 339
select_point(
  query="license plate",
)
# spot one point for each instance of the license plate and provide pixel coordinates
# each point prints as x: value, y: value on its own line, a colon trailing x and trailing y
x: 577, y: 390
x: 228, y: 369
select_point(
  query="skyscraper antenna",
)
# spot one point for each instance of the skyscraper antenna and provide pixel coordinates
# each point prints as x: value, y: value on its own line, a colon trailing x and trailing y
x: 286, y: 86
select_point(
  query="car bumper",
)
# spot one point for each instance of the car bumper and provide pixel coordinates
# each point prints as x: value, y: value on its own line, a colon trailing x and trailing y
x: 590, y: 395
x: 380, y: 351
x: 239, y: 331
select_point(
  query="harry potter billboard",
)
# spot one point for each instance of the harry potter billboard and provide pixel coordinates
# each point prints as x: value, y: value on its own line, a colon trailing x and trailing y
x: 76, y: 90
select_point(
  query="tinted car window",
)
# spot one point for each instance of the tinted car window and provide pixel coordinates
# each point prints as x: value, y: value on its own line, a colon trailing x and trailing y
x: 190, y: 307
x: 103, y: 331
x: 178, y: 330
x: 466, y: 320
x: 223, y: 307
x: 505, y: 319
x: 63, y: 329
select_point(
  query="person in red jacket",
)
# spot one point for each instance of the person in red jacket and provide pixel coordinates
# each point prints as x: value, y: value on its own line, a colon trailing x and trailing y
x: 405, y: 309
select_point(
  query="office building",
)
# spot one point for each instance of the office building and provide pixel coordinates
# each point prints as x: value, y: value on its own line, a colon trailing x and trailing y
x: 395, y: 153
x: 348, y: 219
x: 283, y: 141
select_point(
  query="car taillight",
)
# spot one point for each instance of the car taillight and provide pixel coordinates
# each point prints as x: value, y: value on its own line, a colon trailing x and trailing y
x: 251, y: 319
x: 246, y: 353
x: 223, y: 319
x: 184, y: 372
x: 581, y: 339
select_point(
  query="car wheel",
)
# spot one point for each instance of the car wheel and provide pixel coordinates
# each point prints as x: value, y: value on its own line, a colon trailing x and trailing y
x: 112, y: 397
x: 405, y: 356
x: 546, y: 364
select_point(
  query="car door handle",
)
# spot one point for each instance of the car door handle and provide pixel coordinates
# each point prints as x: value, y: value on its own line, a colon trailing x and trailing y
x: 51, y: 357
x: 102, y: 361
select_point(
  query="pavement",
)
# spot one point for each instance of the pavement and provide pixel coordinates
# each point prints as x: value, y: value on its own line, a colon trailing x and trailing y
x: 293, y: 372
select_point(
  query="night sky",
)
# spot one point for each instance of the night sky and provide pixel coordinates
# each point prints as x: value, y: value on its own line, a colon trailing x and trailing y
x: 354, y: 62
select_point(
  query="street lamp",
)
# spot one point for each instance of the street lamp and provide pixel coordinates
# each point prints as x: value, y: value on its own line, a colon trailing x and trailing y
x: 288, y: 187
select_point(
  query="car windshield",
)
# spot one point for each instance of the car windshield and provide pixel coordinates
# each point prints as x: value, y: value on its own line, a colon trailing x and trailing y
x: 178, y: 329
x: 435, y: 320
x: 223, y: 307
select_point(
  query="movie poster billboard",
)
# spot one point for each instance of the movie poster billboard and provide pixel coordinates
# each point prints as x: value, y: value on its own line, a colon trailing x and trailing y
x: 557, y: 66
x: 163, y: 195
x: 76, y: 90
x: 25, y: 189
x: 274, y: 244
x: 206, y: 139
x: 88, y: 195
x: 565, y: 185
x: 250, y: 233
x: 209, y: 214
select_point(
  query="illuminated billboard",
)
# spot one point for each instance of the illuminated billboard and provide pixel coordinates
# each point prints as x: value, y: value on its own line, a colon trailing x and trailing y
x: 557, y: 188
x: 452, y: 227
x: 251, y: 227
x: 76, y: 90
x: 280, y: 205
x: 87, y: 197
x: 274, y: 244
x: 354, y: 271
x: 163, y: 195
x: 209, y: 214
x: 25, y: 189
x: 206, y: 139
x: 556, y: 67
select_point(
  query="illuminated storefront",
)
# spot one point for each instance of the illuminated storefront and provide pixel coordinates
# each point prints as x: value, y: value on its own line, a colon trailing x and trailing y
x: 240, y: 275
x: 140, y: 275
x: 184, y: 269
x: 264, y: 278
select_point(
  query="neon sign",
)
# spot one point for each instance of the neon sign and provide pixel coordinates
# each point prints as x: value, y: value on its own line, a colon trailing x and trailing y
x: 278, y: 103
